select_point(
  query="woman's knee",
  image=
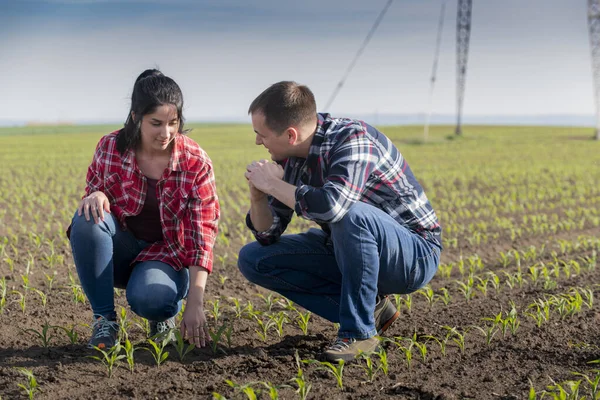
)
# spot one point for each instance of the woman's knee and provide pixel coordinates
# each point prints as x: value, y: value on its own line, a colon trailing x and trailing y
x: 155, y: 302
x: 81, y: 226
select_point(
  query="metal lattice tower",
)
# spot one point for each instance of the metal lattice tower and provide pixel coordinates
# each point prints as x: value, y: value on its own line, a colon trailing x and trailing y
x: 463, y: 33
x: 594, y: 29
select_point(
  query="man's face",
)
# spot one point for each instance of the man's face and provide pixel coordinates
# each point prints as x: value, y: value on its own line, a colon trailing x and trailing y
x: 277, y: 144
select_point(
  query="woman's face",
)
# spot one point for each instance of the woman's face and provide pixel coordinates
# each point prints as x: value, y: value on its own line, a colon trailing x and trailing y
x: 159, y: 128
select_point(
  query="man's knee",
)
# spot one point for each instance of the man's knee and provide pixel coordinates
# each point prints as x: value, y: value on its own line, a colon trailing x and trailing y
x: 248, y: 260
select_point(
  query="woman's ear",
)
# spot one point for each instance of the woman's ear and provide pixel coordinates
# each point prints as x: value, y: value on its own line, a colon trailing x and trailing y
x: 133, y: 116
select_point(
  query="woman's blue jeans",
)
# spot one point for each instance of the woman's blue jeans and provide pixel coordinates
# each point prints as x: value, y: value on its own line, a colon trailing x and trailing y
x: 103, y: 254
x: 369, y: 254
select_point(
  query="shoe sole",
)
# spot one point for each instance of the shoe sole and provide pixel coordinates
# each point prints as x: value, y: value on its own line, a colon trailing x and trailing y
x: 388, y: 323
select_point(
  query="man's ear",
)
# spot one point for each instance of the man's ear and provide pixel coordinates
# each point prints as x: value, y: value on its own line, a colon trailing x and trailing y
x: 292, y: 134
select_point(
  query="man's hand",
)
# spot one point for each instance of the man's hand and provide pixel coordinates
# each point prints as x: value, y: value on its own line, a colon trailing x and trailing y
x: 262, y: 174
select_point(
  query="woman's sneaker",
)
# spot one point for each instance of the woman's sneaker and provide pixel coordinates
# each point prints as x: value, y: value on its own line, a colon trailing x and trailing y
x: 163, y: 330
x: 104, y: 333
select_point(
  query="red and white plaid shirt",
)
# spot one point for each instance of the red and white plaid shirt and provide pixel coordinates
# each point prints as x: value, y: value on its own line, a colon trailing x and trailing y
x: 188, y: 203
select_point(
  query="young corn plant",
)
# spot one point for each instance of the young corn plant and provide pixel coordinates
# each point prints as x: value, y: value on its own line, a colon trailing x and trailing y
x: 383, y: 360
x: 214, y: 310
x: 180, y: 345
x: 236, y: 307
x: 303, y: 387
x: 2, y: 294
x: 368, y: 366
x: 457, y: 337
x: 568, y: 390
x: 158, y: 350
x: 270, y: 300
x: 273, y: 390
x: 263, y: 327
x: 466, y: 288
x: 279, y: 320
x: 336, y: 370
x: 302, y: 320
x: 215, y: 337
x: 31, y: 386
x: 71, y: 333
x: 488, y: 332
x: 429, y: 295
x: 109, y: 358
x: 593, y: 382
x: 44, y: 335
x: 445, y: 296
x: 129, y: 350
x: 246, y: 388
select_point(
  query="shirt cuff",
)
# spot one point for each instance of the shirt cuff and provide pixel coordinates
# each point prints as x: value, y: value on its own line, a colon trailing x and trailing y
x: 200, y: 258
x: 301, y: 206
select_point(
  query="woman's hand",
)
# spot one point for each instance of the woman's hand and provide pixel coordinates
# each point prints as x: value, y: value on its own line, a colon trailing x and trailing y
x: 95, y: 205
x: 194, y: 326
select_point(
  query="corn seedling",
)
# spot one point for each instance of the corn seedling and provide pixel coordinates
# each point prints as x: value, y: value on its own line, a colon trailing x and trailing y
x: 247, y: 389
x: 568, y: 390
x: 466, y: 288
x: 302, y: 320
x: 273, y: 389
x: 109, y: 358
x: 269, y: 300
x: 22, y: 300
x: 428, y: 293
x: 593, y: 382
x: 445, y: 296
x: 180, y: 345
x: 144, y: 325
x: 44, y: 335
x: 236, y: 307
x: 71, y: 333
x: 215, y: 337
x: 457, y: 337
x: 279, y: 320
x: 336, y: 370
x: 2, y: 294
x: 303, y: 388
x: 223, y: 279
x: 383, y: 360
x: 129, y: 350
x: 214, y: 310
x: 488, y: 332
x: 31, y: 386
x: 263, y: 327
x: 368, y: 366
x: 158, y: 350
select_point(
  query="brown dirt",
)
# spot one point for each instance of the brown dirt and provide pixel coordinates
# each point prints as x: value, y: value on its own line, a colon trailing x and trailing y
x: 502, y: 370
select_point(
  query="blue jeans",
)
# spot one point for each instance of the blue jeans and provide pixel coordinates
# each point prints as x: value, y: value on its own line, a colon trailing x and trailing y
x: 369, y: 254
x: 103, y: 253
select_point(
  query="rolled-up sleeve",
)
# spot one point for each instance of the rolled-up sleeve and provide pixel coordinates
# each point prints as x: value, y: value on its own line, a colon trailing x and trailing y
x: 282, y: 215
x: 204, y: 213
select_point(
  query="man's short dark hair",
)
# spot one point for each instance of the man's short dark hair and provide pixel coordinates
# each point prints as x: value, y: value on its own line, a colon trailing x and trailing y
x: 285, y: 104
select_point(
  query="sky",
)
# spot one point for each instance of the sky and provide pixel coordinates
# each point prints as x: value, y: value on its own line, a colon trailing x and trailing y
x: 76, y: 60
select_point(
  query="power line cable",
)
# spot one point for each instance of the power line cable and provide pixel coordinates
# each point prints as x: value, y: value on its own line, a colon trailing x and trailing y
x: 436, y: 57
x: 358, y: 54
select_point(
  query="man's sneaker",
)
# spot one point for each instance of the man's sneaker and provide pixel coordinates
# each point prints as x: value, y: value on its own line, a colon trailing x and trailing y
x: 161, y: 331
x: 104, y: 333
x: 385, y: 314
x: 348, y: 349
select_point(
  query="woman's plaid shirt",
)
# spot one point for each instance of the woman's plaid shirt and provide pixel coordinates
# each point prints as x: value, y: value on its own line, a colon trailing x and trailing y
x: 189, y: 208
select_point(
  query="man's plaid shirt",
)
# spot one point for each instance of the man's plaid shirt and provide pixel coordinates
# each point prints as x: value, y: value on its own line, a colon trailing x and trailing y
x: 351, y: 161
x: 189, y: 208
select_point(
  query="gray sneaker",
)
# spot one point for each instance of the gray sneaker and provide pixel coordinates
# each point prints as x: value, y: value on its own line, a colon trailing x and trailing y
x: 163, y: 330
x: 385, y: 314
x: 348, y: 349
x: 104, y: 333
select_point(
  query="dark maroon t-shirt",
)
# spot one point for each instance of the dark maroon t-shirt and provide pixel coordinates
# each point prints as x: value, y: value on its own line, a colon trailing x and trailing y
x: 146, y: 225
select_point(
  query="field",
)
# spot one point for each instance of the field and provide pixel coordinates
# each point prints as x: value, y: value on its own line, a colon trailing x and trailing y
x: 510, y: 314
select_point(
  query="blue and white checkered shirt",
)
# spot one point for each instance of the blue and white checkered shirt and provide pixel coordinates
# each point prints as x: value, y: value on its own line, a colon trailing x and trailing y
x: 351, y: 161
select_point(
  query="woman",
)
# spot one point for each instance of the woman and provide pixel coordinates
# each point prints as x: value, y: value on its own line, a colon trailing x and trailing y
x: 148, y: 220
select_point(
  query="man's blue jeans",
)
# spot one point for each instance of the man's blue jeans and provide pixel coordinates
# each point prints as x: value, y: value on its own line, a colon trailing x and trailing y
x: 371, y: 254
x: 103, y: 254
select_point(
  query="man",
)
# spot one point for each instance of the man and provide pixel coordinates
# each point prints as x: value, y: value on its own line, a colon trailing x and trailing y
x: 379, y: 232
